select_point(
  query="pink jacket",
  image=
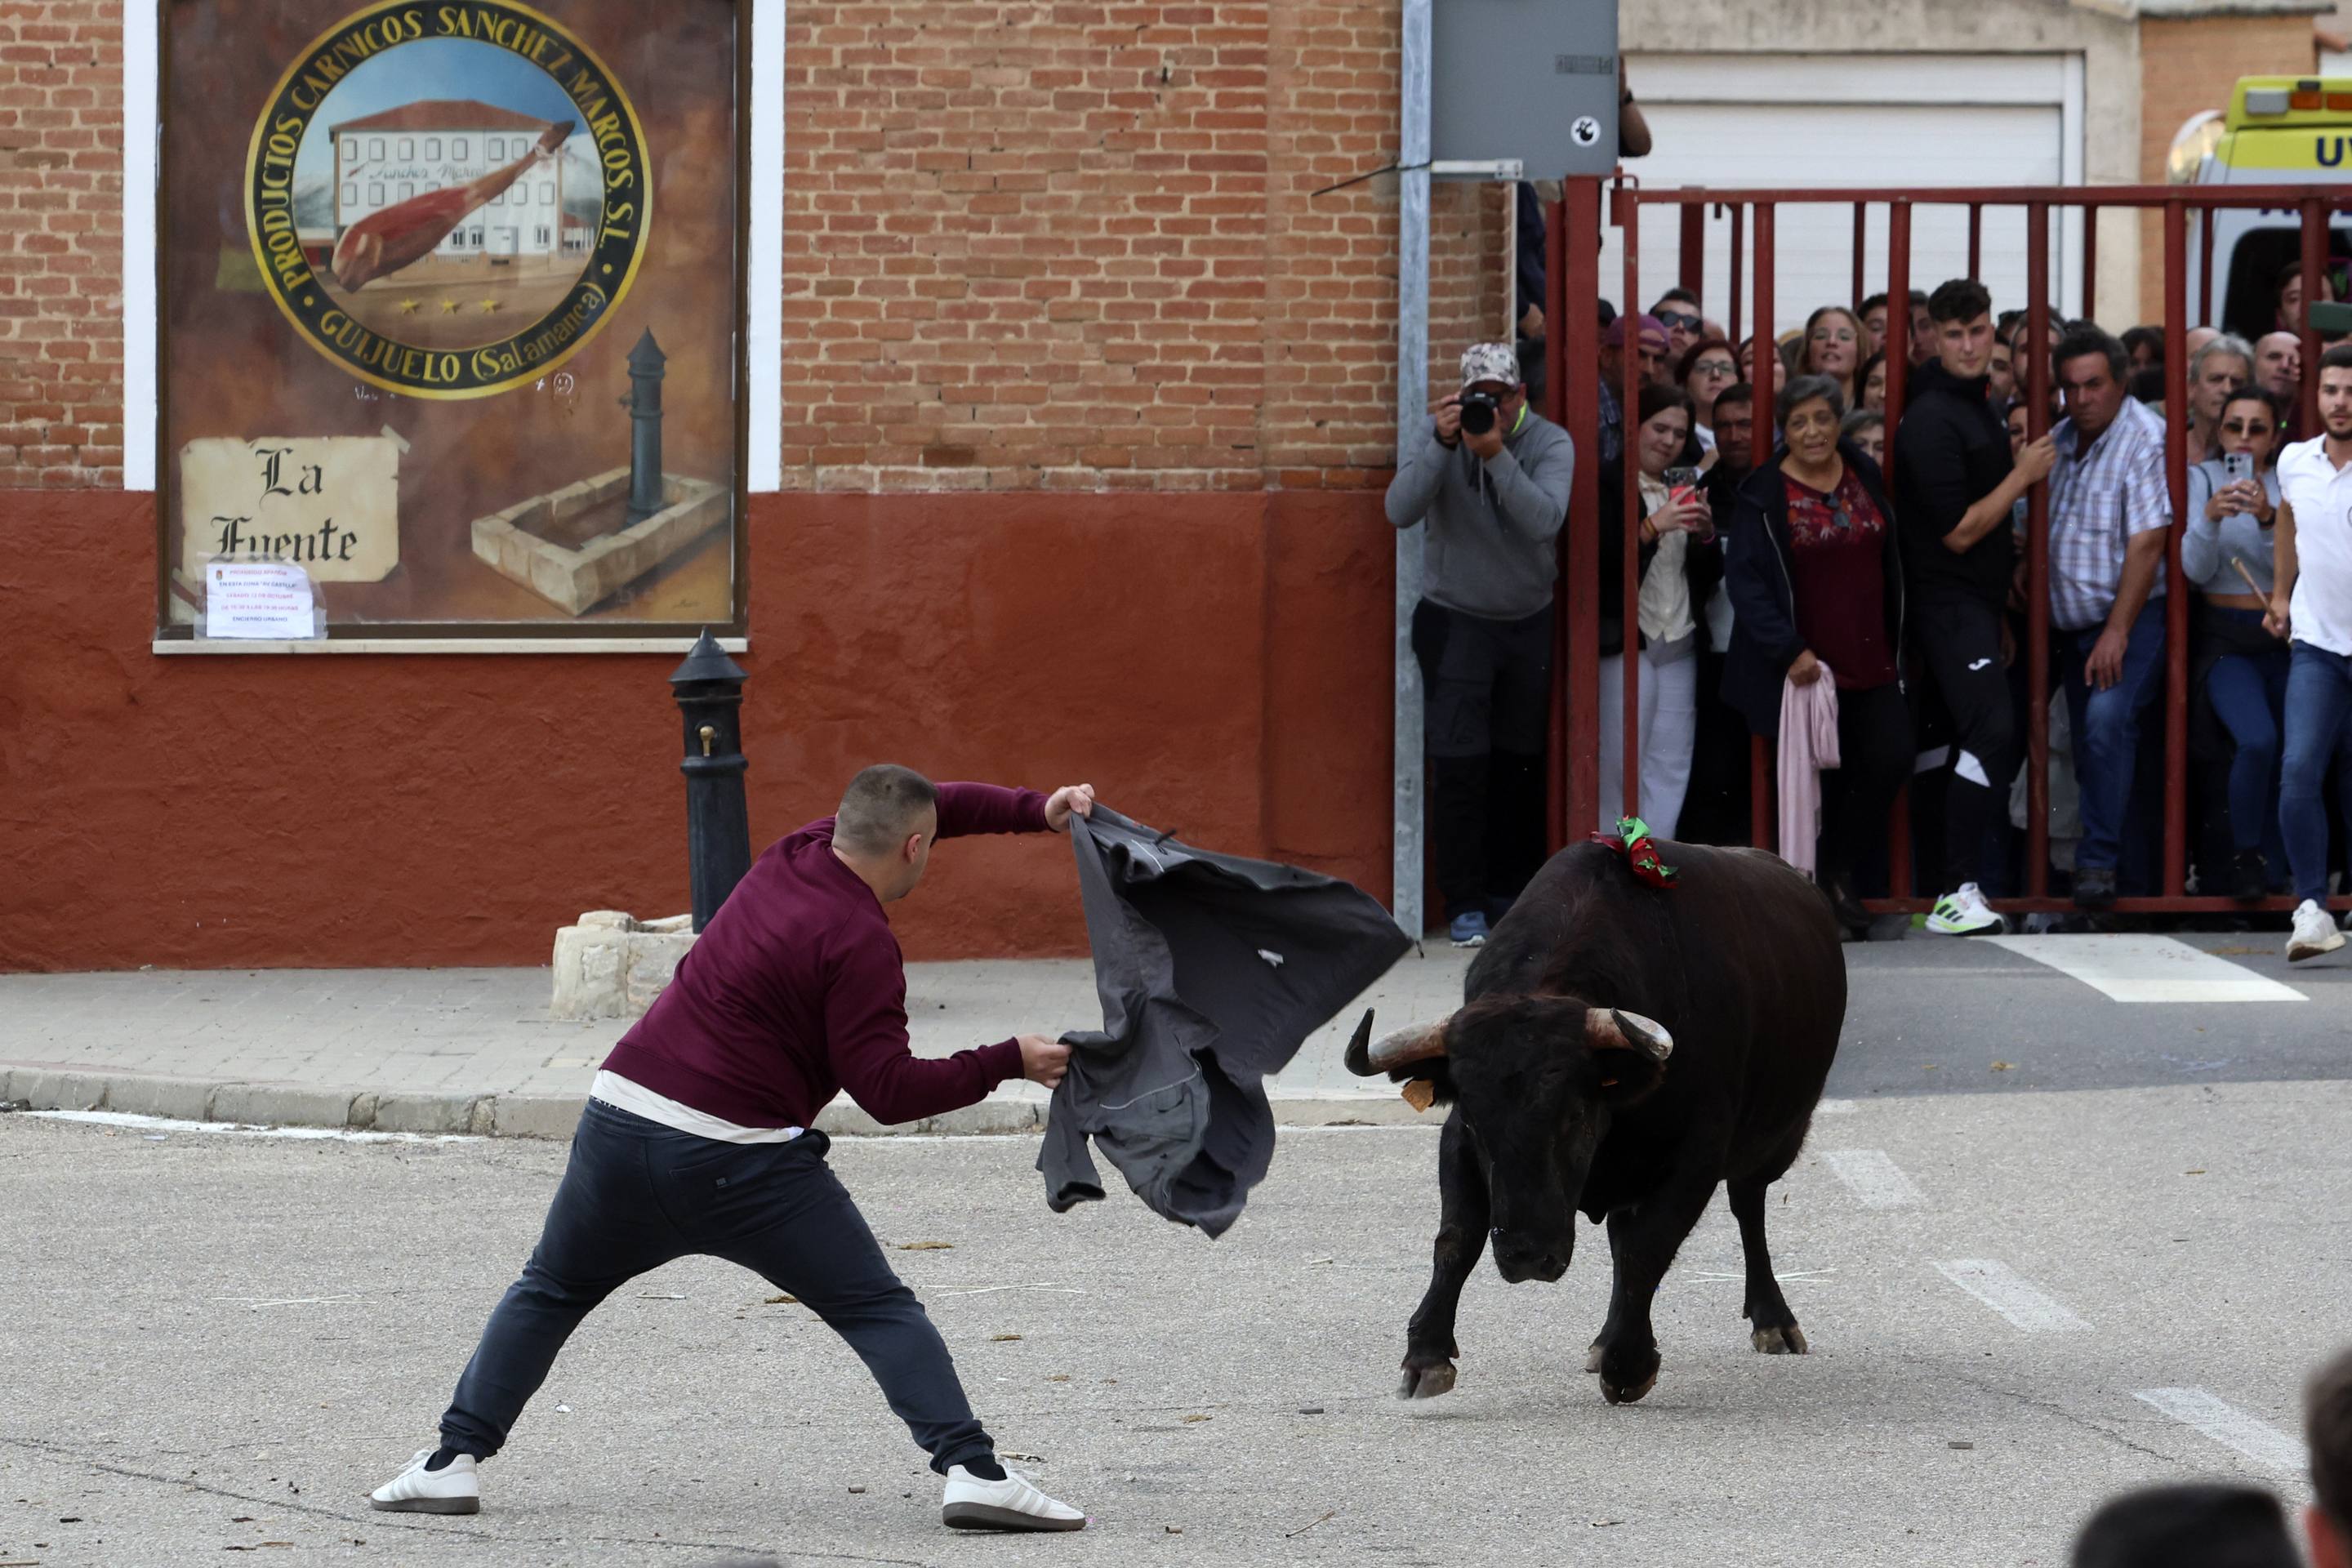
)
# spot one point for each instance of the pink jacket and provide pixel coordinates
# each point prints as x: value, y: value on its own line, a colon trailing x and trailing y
x: 1809, y: 742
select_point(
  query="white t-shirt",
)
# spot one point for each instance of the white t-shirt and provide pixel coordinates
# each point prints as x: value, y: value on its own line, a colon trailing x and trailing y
x: 623, y: 1094
x: 2321, y: 495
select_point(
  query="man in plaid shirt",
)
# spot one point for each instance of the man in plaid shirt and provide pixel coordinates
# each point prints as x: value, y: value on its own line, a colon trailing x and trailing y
x: 2109, y: 511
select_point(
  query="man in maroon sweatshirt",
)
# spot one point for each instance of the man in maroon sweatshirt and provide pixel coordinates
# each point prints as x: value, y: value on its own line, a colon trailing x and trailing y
x: 696, y: 1138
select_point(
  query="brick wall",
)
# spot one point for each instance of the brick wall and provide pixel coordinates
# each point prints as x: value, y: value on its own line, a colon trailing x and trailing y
x: 1039, y: 245
x: 60, y: 243
x: 2188, y: 64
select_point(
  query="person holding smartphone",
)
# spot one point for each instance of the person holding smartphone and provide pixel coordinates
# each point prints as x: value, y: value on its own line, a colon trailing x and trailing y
x: 2225, y: 553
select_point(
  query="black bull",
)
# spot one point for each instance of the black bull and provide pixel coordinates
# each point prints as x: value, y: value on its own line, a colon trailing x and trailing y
x: 1622, y: 1049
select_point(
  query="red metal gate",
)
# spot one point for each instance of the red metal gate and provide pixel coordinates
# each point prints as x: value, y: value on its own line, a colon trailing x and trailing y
x: 1573, y: 242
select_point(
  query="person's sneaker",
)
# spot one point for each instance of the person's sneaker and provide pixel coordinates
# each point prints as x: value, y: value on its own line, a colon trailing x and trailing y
x: 2250, y: 877
x: 1469, y: 928
x: 1013, y: 1503
x: 2094, y: 888
x: 452, y: 1488
x: 1965, y: 913
x: 2315, y: 933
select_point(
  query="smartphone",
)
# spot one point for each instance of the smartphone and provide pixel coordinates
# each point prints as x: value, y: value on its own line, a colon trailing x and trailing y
x: 2237, y: 466
x: 1682, y: 483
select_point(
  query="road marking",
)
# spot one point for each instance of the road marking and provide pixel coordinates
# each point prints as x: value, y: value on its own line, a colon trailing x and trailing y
x: 2130, y: 968
x: 2227, y: 1425
x: 1997, y: 1286
x: 1874, y: 1178
x: 1834, y: 1108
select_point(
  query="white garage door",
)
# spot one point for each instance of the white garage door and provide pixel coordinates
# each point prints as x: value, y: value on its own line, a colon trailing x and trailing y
x: 1902, y: 121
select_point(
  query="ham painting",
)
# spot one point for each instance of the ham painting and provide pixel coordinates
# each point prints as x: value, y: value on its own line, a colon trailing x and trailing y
x: 384, y: 242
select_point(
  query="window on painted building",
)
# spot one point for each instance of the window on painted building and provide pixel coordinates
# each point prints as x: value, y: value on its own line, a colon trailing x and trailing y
x: 375, y: 193
x: 375, y: 148
x: 433, y: 149
x: 477, y: 236
x: 352, y: 194
x: 547, y: 192
x: 457, y: 149
x: 497, y: 148
x: 350, y: 149
x: 407, y: 148
x: 407, y: 189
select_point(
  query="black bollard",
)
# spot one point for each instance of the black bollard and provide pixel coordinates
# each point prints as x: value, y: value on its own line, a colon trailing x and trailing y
x: 647, y: 362
x: 709, y: 690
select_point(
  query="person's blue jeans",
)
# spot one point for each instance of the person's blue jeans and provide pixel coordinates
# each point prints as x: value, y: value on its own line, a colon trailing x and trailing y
x: 637, y: 1194
x: 2105, y: 726
x: 2249, y: 695
x: 2319, y: 729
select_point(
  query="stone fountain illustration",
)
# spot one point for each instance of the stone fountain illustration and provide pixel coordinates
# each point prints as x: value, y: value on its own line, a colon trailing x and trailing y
x: 579, y: 546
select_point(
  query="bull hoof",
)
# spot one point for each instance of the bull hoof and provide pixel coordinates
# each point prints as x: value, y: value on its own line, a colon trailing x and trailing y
x: 1592, y: 1357
x: 1427, y: 1382
x: 1616, y: 1395
x: 1788, y: 1341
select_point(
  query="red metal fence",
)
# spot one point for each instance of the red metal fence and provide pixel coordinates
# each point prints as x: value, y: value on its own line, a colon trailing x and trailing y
x: 1571, y: 382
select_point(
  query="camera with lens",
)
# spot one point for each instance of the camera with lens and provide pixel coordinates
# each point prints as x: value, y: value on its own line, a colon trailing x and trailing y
x: 1477, y: 413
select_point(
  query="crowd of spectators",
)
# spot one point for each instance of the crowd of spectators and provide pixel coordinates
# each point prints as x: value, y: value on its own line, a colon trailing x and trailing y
x: 1774, y: 554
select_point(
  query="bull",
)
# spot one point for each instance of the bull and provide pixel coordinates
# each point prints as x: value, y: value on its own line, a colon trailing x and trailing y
x: 1622, y: 1049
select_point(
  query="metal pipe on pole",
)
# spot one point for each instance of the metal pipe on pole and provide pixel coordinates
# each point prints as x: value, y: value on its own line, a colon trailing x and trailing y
x: 1760, y: 816
x: 1412, y: 401
x: 2176, y: 596
x: 1580, y: 273
x: 2037, y: 556
x: 1629, y: 220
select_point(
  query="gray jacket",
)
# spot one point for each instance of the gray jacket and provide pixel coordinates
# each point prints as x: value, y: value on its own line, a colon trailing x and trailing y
x: 1491, y: 524
x: 1213, y: 970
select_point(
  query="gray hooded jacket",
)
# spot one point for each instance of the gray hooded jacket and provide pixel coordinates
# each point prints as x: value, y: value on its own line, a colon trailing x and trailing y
x: 1491, y: 522
x: 1213, y: 970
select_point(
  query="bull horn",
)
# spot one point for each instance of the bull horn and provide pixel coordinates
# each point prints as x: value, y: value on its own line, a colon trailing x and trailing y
x: 1405, y: 1046
x: 1630, y: 1031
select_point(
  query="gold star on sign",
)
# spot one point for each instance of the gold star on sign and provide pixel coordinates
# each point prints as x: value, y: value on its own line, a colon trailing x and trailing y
x: 448, y: 306
x: 408, y: 307
x: 489, y: 305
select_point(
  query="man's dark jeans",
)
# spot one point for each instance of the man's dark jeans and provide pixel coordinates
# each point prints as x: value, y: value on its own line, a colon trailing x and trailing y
x: 637, y: 1194
x: 2105, y: 726
x: 2318, y: 730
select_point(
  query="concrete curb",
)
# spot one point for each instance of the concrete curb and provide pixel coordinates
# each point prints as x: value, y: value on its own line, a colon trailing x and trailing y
x: 545, y: 1115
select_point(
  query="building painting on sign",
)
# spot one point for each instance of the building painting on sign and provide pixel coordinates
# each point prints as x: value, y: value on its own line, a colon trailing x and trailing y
x: 382, y: 160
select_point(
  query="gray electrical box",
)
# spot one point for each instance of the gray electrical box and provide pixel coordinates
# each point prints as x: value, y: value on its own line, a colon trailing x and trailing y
x: 1531, y: 81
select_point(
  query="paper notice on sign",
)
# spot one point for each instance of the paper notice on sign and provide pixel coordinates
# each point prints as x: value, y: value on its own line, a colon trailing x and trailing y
x: 267, y: 599
x: 330, y: 504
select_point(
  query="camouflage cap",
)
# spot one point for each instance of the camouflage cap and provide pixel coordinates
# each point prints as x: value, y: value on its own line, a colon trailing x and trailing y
x: 1490, y: 362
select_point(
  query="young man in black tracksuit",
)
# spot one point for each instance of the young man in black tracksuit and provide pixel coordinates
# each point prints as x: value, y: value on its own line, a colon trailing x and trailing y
x: 1954, y: 488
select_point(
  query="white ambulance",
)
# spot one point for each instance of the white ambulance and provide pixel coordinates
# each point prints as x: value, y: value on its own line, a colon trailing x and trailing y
x: 2278, y: 130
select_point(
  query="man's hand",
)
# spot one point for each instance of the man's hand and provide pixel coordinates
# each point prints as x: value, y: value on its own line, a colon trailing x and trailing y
x: 1806, y: 670
x: 1449, y: 419
x: 2036, y: 458
x: 1042, y: 1061
x: 1078, y: 798
x: 2105, y: 665
x: 1486, y: 446
x: 1531, y: 322
x: 2274, y: 621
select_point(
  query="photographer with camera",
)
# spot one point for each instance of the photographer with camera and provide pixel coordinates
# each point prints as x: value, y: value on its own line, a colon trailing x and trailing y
x: 1491, y: 478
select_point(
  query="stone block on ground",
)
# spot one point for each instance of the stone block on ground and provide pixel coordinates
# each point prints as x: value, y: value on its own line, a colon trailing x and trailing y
x: 611, y: 965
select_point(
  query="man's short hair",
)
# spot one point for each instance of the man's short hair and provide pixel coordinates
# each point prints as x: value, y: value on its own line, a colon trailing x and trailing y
x: 2209, y: 1525
x: 1805, y: 389
x: 883, y: 805
x: 1671, y: 295
x: 1737, y: 392
x: 2339, y: 356
x: 2082, y: 339
x: 2215, y: 348
x: 1959, y: 300
x: 2328, y: 1428
x: 2148, y: 338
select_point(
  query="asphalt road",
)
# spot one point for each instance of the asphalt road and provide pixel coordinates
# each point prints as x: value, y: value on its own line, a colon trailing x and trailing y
x: 220, y: 1343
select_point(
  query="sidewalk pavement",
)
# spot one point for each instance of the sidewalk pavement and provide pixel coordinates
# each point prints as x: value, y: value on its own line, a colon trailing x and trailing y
x: 473, y: 1050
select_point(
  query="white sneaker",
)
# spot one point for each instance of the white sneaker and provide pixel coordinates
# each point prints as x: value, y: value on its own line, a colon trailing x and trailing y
x: 2315, y: 933
x: 1010, y: 1504
x: 1965, y: 913
x: 452, y: 1488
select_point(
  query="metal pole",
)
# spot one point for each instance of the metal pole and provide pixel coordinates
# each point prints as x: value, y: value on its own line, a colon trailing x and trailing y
x: 1691, y: 261
x: 2204, y: 265
x: 1898, y: 380
x: 2091, y: 260
x: 709, y: 691
x: 1760, y: 814
x: 1975, y: 240
x: 1861, y: 278
x: 1629, y: 219
x: 1412, y: 401
x: 2314, y: 262
x: 1579, y: 295
x: 1738, y: 237
x: 2176, y: 596
x: 2037, y: 557
x: 646, y: 490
